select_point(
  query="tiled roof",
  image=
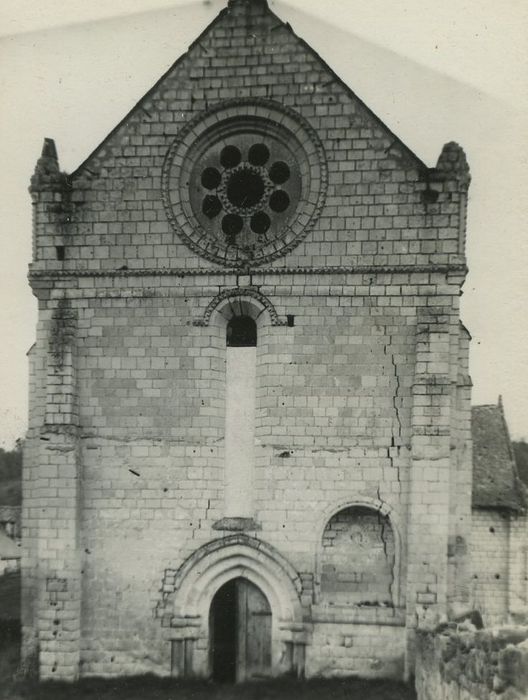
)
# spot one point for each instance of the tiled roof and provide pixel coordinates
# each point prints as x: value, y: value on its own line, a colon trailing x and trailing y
x: 496, y: 484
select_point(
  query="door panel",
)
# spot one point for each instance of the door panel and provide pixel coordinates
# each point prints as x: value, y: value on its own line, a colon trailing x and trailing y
x: 254, y: 615
x: 240, y: 632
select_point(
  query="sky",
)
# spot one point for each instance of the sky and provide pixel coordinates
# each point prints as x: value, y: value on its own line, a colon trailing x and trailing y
x: 433, y: 72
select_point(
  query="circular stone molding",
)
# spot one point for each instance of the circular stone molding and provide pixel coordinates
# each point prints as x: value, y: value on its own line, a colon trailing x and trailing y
x: 244, y: 182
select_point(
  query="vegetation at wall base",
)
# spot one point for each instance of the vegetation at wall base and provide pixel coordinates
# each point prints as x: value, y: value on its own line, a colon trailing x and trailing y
x: 139, y: 688
x: 11, y: 476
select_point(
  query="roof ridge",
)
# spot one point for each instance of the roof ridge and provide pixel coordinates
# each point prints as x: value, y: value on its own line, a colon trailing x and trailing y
x: 413, y: 159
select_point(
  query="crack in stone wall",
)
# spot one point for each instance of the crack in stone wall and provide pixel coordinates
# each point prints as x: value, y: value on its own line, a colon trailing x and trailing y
x: 398, y: 422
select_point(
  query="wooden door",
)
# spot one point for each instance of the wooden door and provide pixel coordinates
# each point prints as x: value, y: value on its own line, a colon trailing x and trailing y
x: 240, y: 633
x: 254, y: 632
x: 223, y: 631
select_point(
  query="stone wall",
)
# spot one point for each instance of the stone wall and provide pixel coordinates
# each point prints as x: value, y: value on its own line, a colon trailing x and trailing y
x: 357, y: 374
x: 518, y: 569
x: 333, y: 427
x: 339, y: 649
x: 499, y: 566
x: 152, y: 397
x: 460, y: 486
x: 489, y: 664
x: 383, y: 205
x: 358, y: 558
x: 489, y: 565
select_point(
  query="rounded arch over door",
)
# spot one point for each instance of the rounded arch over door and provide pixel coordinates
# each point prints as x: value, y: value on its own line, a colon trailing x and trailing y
x: 212, y: 566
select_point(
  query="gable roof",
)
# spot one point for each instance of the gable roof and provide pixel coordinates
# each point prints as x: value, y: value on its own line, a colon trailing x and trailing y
x: 225, y: 16
x: 496, y: 484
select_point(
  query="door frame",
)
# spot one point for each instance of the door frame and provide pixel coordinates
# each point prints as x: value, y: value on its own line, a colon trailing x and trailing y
x: 188, y: 592
x: 241, y: 614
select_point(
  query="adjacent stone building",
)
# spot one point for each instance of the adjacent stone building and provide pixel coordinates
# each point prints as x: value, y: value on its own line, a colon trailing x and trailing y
x: 249, y: 450
x: 499, y: 537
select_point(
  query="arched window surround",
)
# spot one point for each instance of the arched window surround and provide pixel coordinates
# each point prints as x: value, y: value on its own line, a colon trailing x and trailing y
x: 240, y: 301
x: 378, y: 506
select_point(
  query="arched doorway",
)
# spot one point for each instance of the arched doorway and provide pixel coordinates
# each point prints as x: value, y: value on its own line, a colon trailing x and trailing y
x: 187, y: 599
x: 240, y: 632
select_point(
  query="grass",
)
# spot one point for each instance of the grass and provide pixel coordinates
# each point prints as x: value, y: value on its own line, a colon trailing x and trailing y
x: 11, y: 492
x: 9, y: 652
x: 152, y: 688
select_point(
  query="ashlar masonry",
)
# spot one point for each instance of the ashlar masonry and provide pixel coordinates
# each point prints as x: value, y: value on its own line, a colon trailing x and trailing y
x: 249, y: 450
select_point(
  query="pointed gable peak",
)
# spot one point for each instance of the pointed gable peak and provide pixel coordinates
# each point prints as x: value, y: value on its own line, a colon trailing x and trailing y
x: 253, y: 22
x: 49, y: 150
x: 47, y: 172
x: 248, y: 8
x: 248, y: 3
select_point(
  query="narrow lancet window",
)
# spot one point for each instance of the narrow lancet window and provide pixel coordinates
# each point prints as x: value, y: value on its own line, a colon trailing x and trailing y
x: 241, y: 332
x: 241, y: 361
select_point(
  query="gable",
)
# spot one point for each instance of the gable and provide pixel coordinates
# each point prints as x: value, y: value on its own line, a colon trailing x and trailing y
x: 495, y: 480
x: 246, y: 40
x: 356, y: 196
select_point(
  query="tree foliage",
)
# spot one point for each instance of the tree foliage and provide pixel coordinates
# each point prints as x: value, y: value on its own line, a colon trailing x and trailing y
x: 11, y: 476
x: 11, y: 463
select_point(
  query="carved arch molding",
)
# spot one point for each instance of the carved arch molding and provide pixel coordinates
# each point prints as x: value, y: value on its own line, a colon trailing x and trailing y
x: 240, y: 301
x: 363, y: 538
x: 244, y: 182
x: 187, y: 593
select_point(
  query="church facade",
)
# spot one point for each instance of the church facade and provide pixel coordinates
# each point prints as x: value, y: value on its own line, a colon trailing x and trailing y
x: 249, y: 450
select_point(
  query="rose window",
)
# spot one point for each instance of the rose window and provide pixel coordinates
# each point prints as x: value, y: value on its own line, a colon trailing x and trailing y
x: 248, y: 191
x: 242, y: 187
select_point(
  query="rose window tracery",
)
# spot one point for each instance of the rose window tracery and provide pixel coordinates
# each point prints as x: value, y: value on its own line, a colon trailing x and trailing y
x: 247, y: 191
x: 245, y: 182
